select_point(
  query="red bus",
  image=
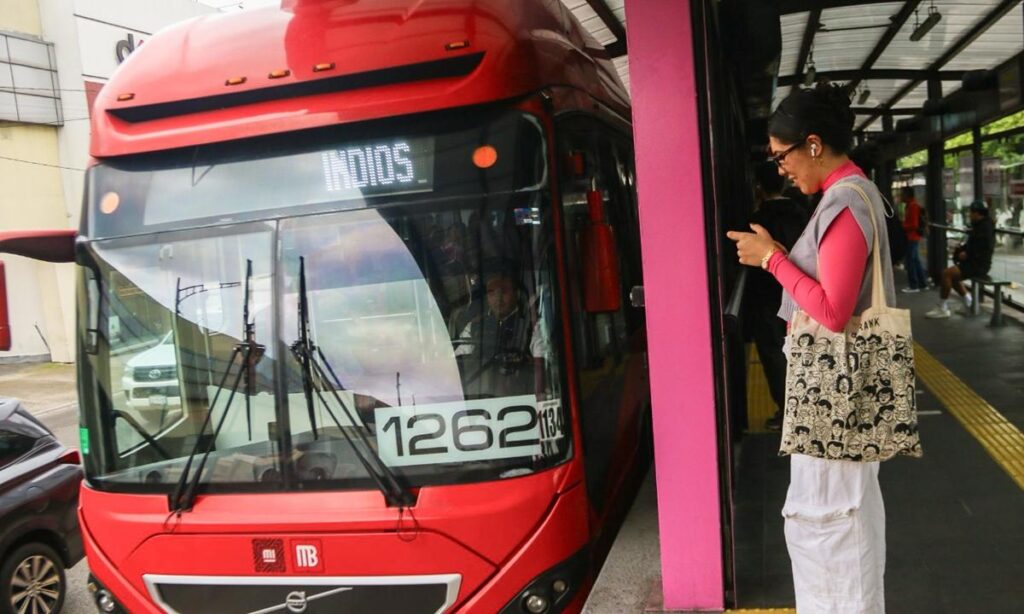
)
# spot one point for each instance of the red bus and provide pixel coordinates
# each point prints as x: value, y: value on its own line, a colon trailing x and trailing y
x: 355, y: 328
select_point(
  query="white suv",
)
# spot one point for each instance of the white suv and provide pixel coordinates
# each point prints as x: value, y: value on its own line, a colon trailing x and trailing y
x: 150, y: 379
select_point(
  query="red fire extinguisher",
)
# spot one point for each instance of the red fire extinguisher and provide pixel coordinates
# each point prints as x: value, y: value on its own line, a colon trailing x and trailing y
x: 602, y: 285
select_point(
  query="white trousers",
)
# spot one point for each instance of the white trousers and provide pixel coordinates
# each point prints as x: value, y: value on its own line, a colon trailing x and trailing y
x: 835, y: 532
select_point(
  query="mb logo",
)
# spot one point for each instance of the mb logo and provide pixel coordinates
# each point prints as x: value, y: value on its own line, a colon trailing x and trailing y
x: 307, y: 556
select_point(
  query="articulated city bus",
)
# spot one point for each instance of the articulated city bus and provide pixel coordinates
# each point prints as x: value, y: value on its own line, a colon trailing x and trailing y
x: 355, y: 319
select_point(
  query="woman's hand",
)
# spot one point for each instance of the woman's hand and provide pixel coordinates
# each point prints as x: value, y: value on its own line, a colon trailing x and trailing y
x: 751, y: 247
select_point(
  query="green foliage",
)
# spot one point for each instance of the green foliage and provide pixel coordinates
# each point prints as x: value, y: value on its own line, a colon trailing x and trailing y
x: 960, y: 140
x: 918, y: 158
x: 1002, y: 125
x: 1009, y: 150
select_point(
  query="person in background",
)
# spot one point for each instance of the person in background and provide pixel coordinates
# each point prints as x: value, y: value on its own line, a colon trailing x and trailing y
x: 897, y: 240
x: 784, y: 219
x: 794, y: 194
x: 912, y: 218
x: 973, y: 259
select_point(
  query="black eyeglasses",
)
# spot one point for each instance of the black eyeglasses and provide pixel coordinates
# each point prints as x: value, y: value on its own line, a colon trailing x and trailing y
x: 780, y: 157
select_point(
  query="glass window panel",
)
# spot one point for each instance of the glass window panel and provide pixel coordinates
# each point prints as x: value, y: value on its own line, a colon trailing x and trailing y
x: 33, y: 81
x: 3, y: 48
x: 8, y: 111
x: 6, y: 82
x: 27, y: 52
x: 37, y: 109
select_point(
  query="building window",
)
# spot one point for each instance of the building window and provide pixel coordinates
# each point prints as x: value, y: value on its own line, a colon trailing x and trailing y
x: 28, y: 81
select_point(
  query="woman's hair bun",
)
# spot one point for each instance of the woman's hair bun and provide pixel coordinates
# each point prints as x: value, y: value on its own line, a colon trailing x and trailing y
x: 823, y: 110
x: 838, y: 98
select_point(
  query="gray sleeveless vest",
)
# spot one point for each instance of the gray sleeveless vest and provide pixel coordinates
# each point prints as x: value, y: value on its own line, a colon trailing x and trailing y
x: 805, y: 251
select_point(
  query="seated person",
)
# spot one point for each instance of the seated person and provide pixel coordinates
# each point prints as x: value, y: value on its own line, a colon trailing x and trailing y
x: 503, y: 340
x: 973, y: 259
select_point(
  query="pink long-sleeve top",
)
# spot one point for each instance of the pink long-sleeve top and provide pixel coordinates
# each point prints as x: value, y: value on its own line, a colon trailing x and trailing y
x: 842, y: 254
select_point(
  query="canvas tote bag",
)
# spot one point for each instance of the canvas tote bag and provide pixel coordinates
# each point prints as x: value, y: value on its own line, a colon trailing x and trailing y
x: 850, y: 395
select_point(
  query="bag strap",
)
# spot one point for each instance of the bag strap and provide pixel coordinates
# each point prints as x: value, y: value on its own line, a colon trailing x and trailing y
x: 877, y: 282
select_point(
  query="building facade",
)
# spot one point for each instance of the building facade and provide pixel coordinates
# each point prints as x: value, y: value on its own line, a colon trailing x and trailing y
x: 55, y: 55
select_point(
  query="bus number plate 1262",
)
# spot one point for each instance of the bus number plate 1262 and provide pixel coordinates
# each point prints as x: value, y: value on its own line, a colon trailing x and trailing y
x: 465, y: 431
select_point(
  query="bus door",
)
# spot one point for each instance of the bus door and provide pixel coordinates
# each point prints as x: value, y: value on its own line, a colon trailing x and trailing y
x: 597, y: 187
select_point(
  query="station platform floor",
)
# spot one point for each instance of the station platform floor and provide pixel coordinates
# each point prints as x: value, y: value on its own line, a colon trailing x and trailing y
x: 955, y: 518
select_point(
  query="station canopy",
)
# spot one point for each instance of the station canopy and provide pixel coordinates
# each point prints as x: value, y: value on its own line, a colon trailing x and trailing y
x: 887, y: 52
x: 869, y: 44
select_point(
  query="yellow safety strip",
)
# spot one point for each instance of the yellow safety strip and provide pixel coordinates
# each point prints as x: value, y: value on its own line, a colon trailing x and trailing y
x: 1001, y: 439
x: 760, y: 405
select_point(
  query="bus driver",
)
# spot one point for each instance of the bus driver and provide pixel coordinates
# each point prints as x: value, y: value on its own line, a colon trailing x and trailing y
x: 503, y: 338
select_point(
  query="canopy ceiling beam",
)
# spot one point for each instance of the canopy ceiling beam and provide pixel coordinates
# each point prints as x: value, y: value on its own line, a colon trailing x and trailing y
x: 886, y: 112
x: 618, y: 48
x: 813, y: 21
x: 955, y: 49
x: 898, y: 20
x: 787, y: 7
x: 877, y: 73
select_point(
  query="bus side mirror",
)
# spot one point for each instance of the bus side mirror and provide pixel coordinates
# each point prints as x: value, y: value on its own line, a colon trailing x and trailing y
x: 5, y: 322
x: 602, y: 285
x: 47, y: 245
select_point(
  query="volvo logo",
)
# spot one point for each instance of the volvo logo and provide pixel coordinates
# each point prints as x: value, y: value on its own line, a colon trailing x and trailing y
x: 296, y: 601
x: 155, y: 374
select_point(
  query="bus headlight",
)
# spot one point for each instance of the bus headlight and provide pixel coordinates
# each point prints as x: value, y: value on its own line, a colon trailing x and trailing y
x: 552, y: 590
x: 535, y: 604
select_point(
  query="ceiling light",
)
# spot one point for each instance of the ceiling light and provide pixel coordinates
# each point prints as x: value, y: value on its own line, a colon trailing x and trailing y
x: 864, y: 95
x: 810, y: 75
x: 922, y: 28
x: 811, y: 72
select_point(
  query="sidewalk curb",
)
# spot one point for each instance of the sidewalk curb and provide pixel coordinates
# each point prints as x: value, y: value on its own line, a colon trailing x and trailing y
x: 55, y: 409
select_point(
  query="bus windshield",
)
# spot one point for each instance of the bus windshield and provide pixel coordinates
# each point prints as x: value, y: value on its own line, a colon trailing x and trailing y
x: 430, y: 335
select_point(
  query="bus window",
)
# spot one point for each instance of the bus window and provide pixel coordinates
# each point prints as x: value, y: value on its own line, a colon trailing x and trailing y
x: 608, y: 345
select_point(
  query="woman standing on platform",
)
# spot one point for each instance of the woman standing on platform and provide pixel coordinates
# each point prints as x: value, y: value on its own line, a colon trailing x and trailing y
x: 834, y: 515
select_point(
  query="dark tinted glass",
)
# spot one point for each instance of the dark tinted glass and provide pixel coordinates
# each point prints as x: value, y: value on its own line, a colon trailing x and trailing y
x: 13, y: 446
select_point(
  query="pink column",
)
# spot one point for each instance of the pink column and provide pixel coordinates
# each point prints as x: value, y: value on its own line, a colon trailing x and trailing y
x: 669, y: 162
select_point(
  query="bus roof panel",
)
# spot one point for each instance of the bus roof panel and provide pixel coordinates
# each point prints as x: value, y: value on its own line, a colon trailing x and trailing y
x: 180, y: 89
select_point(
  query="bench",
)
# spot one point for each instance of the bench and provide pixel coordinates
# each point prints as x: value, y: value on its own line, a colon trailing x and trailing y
x: 977, y: 284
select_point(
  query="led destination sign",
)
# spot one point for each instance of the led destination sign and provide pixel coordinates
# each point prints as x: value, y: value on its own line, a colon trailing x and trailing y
x: 396, y: 167
x: 334, y: 168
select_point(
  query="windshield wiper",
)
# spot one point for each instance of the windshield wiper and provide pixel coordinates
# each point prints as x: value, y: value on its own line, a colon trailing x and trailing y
x: 251, y: 352
x: 315, y: 369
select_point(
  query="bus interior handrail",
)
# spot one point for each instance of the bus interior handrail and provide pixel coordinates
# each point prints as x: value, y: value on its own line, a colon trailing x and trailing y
x: 735, y: 302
